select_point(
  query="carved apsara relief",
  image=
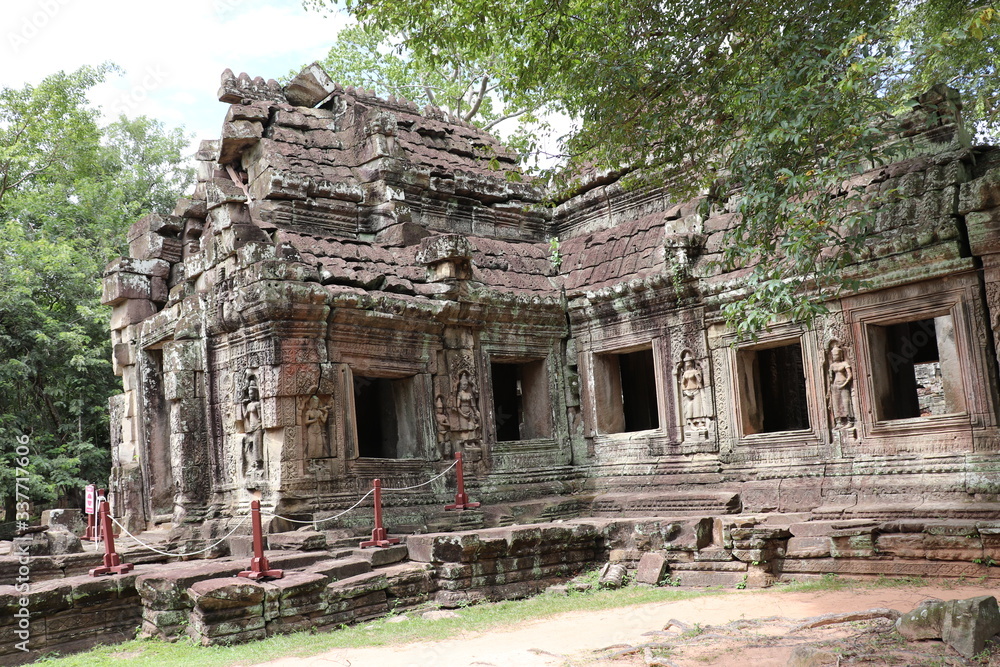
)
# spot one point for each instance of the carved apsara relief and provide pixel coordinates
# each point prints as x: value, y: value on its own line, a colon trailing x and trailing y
x: 840, y: 391
x: 467, y: 406
x: 248, y: 439
x: 457, y: 415
x: 315, y: 418
x: 443, y: 424
x: 696, y: 415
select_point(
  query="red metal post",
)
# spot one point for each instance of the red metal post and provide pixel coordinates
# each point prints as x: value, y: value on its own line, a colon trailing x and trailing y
x: 98, y: 526
x: 91, y: 532
x: 259, y: 567
x: 379, y: 537
x: 112, y: 561
x: 461, y: 499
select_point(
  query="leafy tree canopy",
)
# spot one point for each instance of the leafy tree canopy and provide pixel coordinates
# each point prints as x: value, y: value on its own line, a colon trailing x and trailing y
x: 69, y: 189
x: 772, y: 103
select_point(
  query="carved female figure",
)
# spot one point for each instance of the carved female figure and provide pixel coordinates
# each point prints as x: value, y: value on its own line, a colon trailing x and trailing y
x: 441, y: 417
x: 466, y: 400
x: 443, y: 426
x: 692, y: 391
x: 315, y: 418
x: 840, y: 377
x: 254, y: 439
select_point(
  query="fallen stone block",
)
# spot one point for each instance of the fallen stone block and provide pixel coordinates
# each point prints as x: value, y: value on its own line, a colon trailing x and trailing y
x: 969, y: 623
x: 612, y: 576
x: 924, y: 622
x: 652, y: 569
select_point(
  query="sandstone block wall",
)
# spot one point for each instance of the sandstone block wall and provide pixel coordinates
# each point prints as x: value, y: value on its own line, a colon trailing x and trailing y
x: 353, y: 292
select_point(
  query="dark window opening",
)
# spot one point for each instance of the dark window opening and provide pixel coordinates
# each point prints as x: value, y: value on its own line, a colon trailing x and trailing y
x: 626, y: 392
x: 639, y: 390
x: 521, y: 408
x: 915, y: 369
x: 773, y: 390
x: 384, y: 417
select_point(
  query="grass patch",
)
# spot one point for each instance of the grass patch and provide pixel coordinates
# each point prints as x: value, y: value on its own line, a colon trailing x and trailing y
x: 473, y: 619
x: 833, y: 582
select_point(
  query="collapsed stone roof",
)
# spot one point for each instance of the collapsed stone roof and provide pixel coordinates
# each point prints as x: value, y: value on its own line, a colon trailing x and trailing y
x: 356, y: 185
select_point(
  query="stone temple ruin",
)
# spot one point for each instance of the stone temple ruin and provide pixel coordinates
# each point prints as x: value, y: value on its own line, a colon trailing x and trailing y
x: 358, y: 289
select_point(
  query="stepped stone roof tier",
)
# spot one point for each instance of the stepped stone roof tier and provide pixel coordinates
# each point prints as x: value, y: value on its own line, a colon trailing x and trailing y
x: 358, y: 288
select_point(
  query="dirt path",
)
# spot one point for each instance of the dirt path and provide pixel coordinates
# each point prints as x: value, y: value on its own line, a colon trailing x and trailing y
x: 577, y: 638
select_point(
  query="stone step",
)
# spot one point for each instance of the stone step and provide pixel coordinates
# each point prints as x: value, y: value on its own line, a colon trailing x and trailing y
x: 671, y: 503
x: 909, y: 511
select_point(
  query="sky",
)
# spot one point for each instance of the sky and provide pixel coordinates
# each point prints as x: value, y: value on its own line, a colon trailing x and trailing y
x: 172, y: 52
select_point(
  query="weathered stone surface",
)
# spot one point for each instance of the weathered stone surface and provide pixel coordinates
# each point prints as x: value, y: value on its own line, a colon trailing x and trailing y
x: 924, y: 622
x: 226, y: 593
x: 72, y: 520
x: 384, y: 556
x: 300, y: 540
x: 342, y: 568
x: 62, y: 541
x: 309, y: 87
x: 612, y: 575
x: 969, y: 623
x: 652, y: 569
x: 808, y: 547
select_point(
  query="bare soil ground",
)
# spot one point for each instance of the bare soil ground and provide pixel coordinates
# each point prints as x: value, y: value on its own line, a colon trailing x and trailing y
x: 742, y: 628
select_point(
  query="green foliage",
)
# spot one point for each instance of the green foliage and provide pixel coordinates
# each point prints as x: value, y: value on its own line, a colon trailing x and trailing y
x: 696, y: 629
x: 555, y: 257
x: 770, y: 106
x: 69, y: 189
x: 834, y: 582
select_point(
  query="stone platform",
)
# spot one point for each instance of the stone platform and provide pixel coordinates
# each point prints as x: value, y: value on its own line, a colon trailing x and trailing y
x: 338, y: 585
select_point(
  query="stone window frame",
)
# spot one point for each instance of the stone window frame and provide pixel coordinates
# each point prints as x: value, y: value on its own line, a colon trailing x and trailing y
x: 812, y: 361
x: 662, y: 375
x: 423, y: 413
x: 546, y: 372
x: 359, y: 343
x: 498, y: 349
x: 409, y: 406
x: 915, y: 304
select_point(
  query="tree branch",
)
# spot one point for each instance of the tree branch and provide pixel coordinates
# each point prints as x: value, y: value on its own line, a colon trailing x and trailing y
x: 479, y: 99
x: 489, y: 125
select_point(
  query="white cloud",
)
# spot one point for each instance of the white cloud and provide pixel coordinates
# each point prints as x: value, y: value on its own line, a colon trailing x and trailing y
x: 172, y: 53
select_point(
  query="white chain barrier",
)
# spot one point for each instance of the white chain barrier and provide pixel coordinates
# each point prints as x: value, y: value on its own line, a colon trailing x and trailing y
x: 432, y: 479
x: 186, y: 553
x: 314, y: 522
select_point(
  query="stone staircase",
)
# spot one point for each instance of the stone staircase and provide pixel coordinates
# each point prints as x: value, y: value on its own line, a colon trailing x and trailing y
x: 328, y: 581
